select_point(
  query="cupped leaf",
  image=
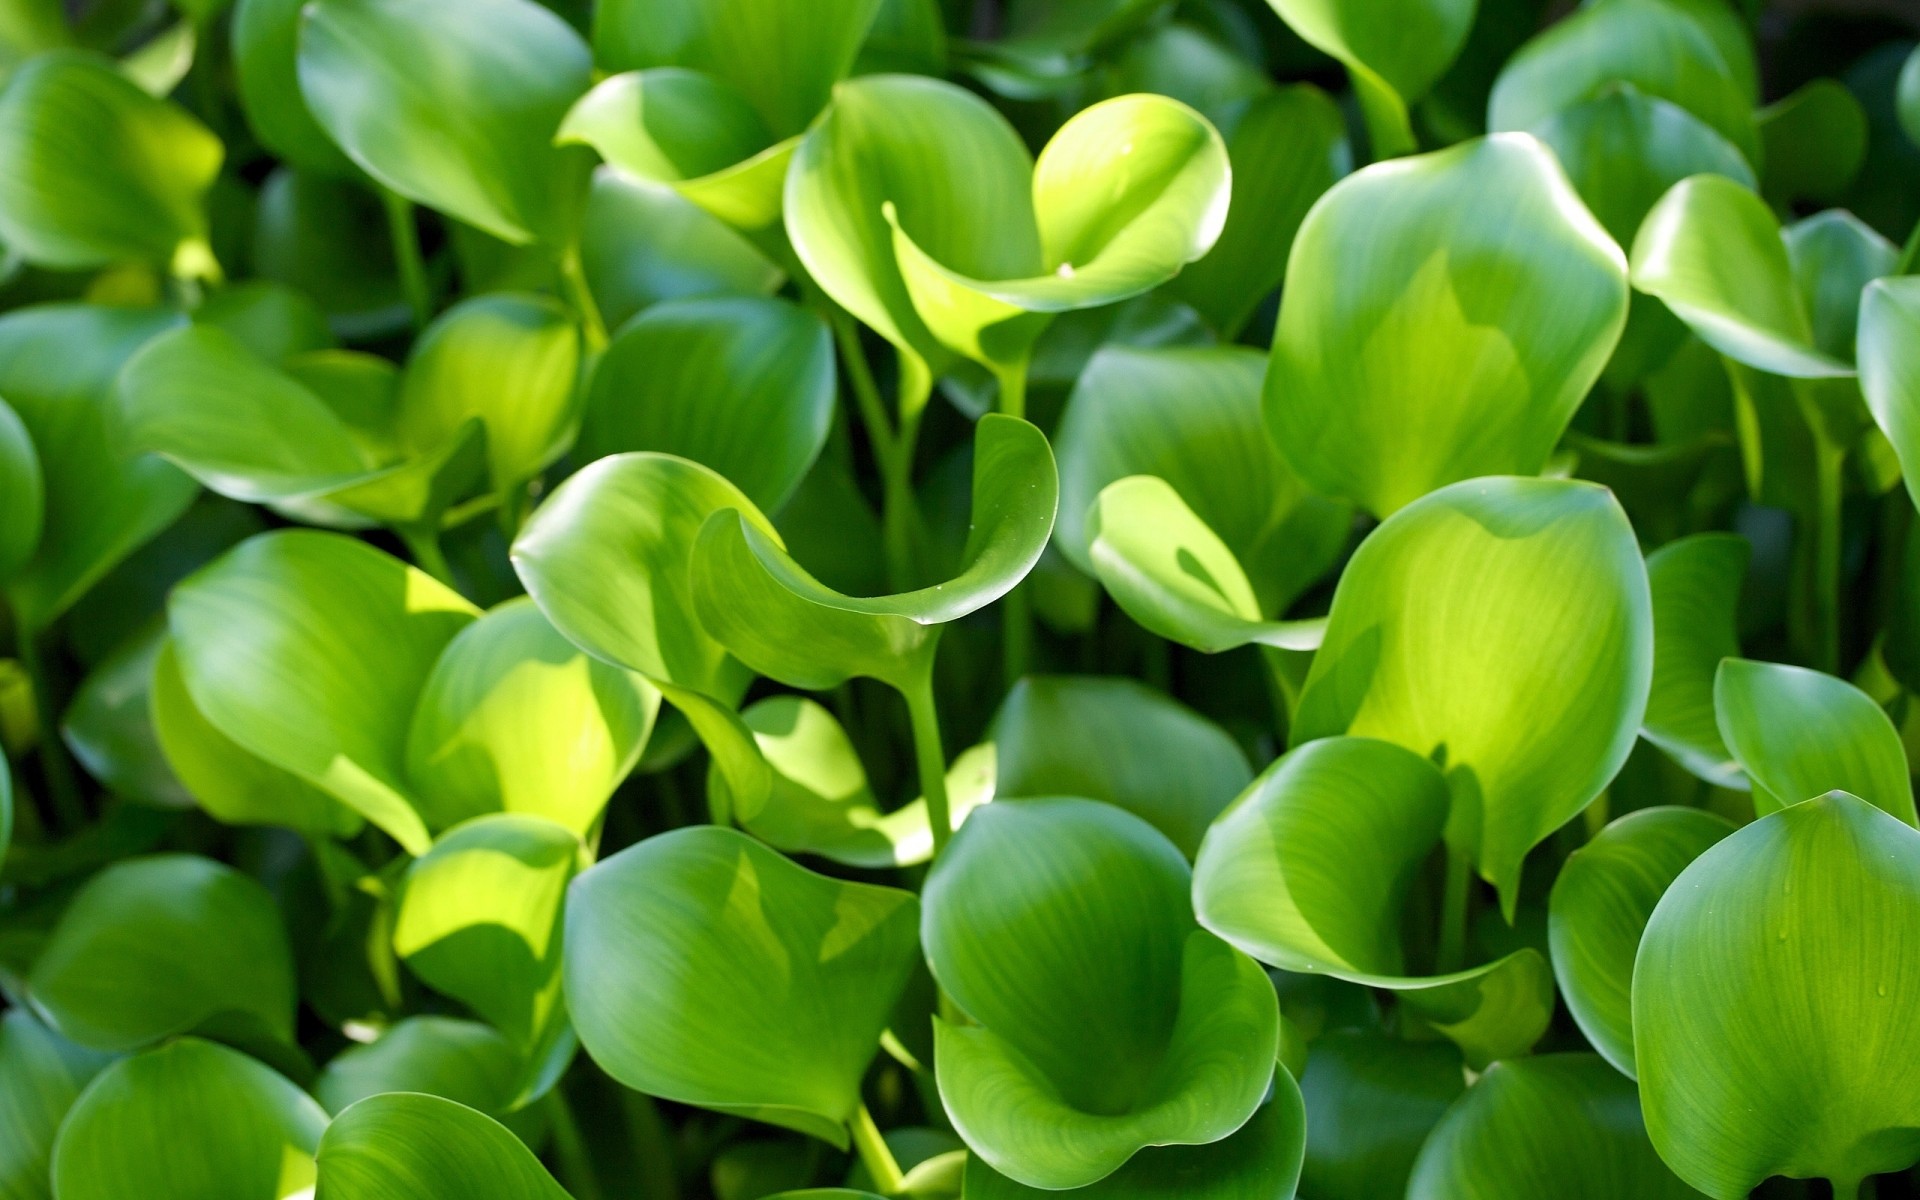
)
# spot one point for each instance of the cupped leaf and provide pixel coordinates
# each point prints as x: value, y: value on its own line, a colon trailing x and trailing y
x: 23, y: 494
x: 1770, y: 1017
x: 1504, y: 626
x: 1443, y: 318
x: 99, y: 172
x: 641, y: 243
x: 1695, y: 586
x: 1371, y: 1100
x: 1393, y: 52
x: 1890, y: 368
x: 171, y: 944
x: 1556, y: 1125
x: 1261, y: 882
x: 463, y: 1061
x: 307, y: 233
x: 41, y: 1074
x: 266, y: 53
x: 185, y: 1121
x: 783, y: 623
x: 741, y: 384
x: 705, y: 968
x: 1599, y: 909
x: 1815, y: 139
x: 109, y: 726
x: 310, y: 650
x: 1122, y: 742
x: 1800, y: 733
x: 1711, y: 250
x: 408, y: 1146
x: 453, y: 108
x: 1105, y: 1020
x: 1834, y: 255
x: 515, y: 718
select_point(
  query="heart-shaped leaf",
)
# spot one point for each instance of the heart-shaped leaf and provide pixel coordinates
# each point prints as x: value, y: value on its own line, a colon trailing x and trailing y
x: 1800, y: 733
x: 1600, y: 905
x: 515, y: 718
x: 310, y: 650
x: 1506, y: 622
x: 453, y: 108
x: 1769, y: 1031
x: 1556, y: 1125
x: 742, y: 384
x: 1372, y: 1099
x: 783, y: 623
x: 23, y: 494
x: 266, y: 53
x: 185, y: 1121
x: 1122, y: 742
x: 41, y: 1074
x: 1890, y: 368
x: 1443, y: 318
x: 640, y: 243
x: 1105, y: 1020
x: 1393, y: 53
x: 1695, y: 585
x: 1815, y: 139
x: 705, y: 968
x: 138, y: 193
x: 463, y: 1061
x: 405, y: 1146
x: 172, y: 944
x: 1260, y: 882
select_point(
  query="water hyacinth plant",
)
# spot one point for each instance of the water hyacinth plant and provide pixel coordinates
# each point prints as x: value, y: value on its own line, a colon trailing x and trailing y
x: 959, y: 599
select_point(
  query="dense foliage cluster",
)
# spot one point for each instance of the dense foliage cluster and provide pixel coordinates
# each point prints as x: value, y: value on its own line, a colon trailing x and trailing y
x: 1152, y: 599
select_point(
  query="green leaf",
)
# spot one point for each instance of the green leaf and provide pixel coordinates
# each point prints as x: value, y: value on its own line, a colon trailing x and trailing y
x: 1599, y: 909
x: 1768, y: 1028
x: 1558, y: 1125
x: 1261, y: 881
x: 57, y: 367
x: 266, y: 52
x: 99, y: 172
x: 1443, y: 319
x: 506, y: 360
x: 462, y: 1061
x: 1393, y: 53
x: 641, y: 243
x: 705, y: 968
x: 310, y: 651
x: 1695, y: 585
x: 407, y: 1146
x: 41, y: 1074
x: 1800, y: 733
x: 515, y: 718
x: 271, y: 319
x: 308, y: 233
x: 1711, y: 250
x: 1104, y: 1020
x: 1371, y: 1101
x: 109, y: 728
x: 165, y: 945
x: 455, y: 109
x: 1191, y: 416
x: 1815, y: 139
x: 23, y: 494
x: 742, y: 384
x: 1834, y: 256
x: 1890, y: 368
x: 1259, y: 1161
x: 783, y: 623
x: 480, y: 919
x: 186, y: 1121
x: 1507, y: 623
x: 1122, y: 742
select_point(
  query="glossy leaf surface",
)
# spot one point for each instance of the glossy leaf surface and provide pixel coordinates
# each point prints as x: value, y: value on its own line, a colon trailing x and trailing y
x: 1695, y: 585
x: 426, y: 1148
x: 1801, y: 734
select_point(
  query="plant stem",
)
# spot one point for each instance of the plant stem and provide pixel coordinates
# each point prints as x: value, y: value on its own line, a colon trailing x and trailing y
x: 63, y: 786
x: 659, y: 1173
x: 1910, y: 253
x: 874, y: 1154
x: 405, y: 236
x: 1826, y: 562
x: 570, y: 1148
x: 1013, y: 388
x: 1452, y: 953
x: 1016, y: 611
x: 929, y: 756
x: 423, y: 542
x: 866, y: 392
x: 592, y: 325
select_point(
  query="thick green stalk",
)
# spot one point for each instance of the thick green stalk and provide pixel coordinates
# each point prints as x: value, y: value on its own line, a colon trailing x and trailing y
x: 874, y: 1154
x: 929, y: 756
x: 63, y: 785
x: 405, y: 236
x: 1016, y: 610
x: 423, y: 542
x: 1909, y: 254
x: 1452, y: 952
x: 570, y: 1150
x: 652, y: 1146
x: 574, y: 278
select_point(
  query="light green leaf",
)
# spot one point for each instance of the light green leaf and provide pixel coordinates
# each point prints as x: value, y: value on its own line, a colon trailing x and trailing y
x: 1599, y: 909
x: 1261, y: 881
x: 1695, y: 585
x: 1558, y: 1125
x: 1371, y: 1101
x: 1815, y: 139
x: 406, y: 1146
x: 453, y: 108
x: 1393, y: 53
x: 187, y: 1121
x: 171, y: 944
x: 641, y: 243
x: 1834, y: 256
x: 266, y: 51
x: 705, y: 968
x: 310, y: 651
x: 1122, y: 742
x: 1800, y: 733
x: 1443, y: 318
x: 742, y: 384
x: 462, y: 1061
x: 515, y: 718
x: 1506, y: 622
x: 507, y: 360
x: 1104, y: 1020
x: 1769, y: 1017
x: 41, y: 1073
x: 782, y: 622
x: 99, y: 172
x: 1890, y: 368
x: 23, y: 494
